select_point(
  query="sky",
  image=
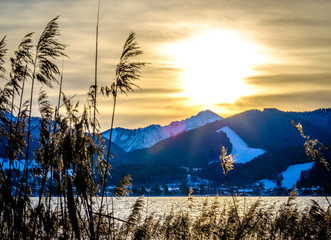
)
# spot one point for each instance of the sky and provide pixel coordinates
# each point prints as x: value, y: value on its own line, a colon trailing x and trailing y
x: 226, y: 56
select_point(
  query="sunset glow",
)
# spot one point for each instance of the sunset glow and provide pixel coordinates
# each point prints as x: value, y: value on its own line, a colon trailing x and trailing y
x: 214, y: 65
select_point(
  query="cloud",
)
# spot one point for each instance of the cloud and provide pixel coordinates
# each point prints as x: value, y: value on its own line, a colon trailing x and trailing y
x: 300, y: 21
x: 298, y: 80
x: 158, y: 91
x: 290, y: 101
x: 293, y: 34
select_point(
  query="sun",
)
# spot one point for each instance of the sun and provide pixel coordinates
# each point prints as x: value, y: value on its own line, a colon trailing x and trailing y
x: 214, y: 65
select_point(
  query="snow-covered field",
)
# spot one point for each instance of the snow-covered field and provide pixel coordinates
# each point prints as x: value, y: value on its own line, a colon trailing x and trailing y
x: 268, y: 184
x: 292, y: 174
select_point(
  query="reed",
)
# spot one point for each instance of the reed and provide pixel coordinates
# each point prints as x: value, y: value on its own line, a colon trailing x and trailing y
x: 127, y: 71
x: 69, y: 141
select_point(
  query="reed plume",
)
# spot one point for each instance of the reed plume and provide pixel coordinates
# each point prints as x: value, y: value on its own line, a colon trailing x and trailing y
x: 44, y: 69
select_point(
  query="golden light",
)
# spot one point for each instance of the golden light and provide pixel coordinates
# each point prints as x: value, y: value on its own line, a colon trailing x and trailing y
x: 214, y: 65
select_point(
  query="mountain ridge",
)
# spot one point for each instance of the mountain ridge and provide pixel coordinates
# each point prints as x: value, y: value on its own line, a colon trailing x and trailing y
x: 269, y: 129
x: 134, y: 139
x: 191, y: 153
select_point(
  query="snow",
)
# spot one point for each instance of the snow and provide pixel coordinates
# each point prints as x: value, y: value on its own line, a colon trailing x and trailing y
x: 124, y: 137
x: 268, y: 184
x: 292, y: 174
x: 243, y: 153
x: 133, y: 139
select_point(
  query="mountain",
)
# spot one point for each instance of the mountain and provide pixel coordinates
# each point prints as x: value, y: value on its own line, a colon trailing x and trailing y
x: 269, y: 150
x: 265, y: 143
x: 134, y: 139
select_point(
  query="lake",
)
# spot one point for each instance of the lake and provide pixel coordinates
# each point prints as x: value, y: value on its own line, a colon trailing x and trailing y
x: 163, y: 205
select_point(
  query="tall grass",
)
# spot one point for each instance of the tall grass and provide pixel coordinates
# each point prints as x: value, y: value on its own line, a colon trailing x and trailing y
x: 66, y: 145
x: 63, y: 153
x: 127, y: 71
x: 69, y: 141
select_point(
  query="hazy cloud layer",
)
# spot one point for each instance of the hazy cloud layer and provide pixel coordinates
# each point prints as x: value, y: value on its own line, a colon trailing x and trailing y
x: 288, y: 101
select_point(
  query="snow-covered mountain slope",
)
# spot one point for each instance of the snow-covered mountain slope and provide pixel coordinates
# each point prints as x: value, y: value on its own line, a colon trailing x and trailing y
x: 243, y: 153
x: 133, y: 139
x: 292, y: 174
